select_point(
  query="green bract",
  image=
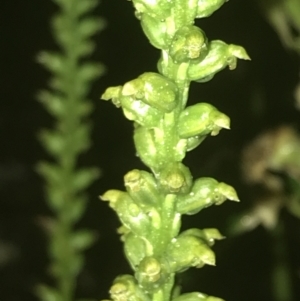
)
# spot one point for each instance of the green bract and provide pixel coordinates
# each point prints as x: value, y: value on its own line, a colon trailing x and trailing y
x: 164, y: 130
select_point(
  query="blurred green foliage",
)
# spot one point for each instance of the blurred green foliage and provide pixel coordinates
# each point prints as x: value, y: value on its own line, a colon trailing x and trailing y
x: 72, y: 75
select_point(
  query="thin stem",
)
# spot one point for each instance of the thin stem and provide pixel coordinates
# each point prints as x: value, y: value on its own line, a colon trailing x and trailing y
x: 281, y: 274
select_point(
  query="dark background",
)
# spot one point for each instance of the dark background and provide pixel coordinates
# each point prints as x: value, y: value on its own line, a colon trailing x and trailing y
x: 257, y: 96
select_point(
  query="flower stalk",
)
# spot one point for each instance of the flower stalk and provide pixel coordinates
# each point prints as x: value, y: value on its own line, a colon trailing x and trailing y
x: 165, y: 129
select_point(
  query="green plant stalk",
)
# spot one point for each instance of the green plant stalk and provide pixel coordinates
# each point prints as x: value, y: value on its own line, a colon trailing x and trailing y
x: 164, y: 130
x: 72, y: 75
x: 281, y: 275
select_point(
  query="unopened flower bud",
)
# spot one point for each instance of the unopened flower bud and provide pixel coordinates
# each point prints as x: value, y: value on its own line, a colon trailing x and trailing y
x: 159, y: 91
x: 205, y: 192
x: 142, y: 187
x: 220, y: 56
x: 189, y: 251
x: 150, y: 274
x: 208, y: 235
x: 201, y: 119
x: 189, y: 43
x: 128, y: 211
x: 175, y: 178
x: 126, y: 288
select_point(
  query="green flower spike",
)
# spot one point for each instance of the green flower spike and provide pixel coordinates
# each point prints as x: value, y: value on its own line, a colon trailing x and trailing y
x: 164, y: 130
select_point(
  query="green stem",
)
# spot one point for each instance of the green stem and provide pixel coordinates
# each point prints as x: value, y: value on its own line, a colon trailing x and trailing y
x: 281, y: 274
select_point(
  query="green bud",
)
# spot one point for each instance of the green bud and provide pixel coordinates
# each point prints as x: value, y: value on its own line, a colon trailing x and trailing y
x: 142, y: 187
x: 151, y: 88
x: 125, y: 288
x: 201, y: 119
x: 188, y: 251
x: 220, y: 55
x: 208, y: 7
x: 159, y: 92
x: 205, y: 192
x: 208, y: 235
x: 130, y: 214
x: 156, y: 31
x: 135, y: 249
x: 195, y: 296
x: 189, y: 43
x: 175, y: 178
x: 149, y: 274
x: 149, y: 269
x: 121, y: 291
x: 134, y: 108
